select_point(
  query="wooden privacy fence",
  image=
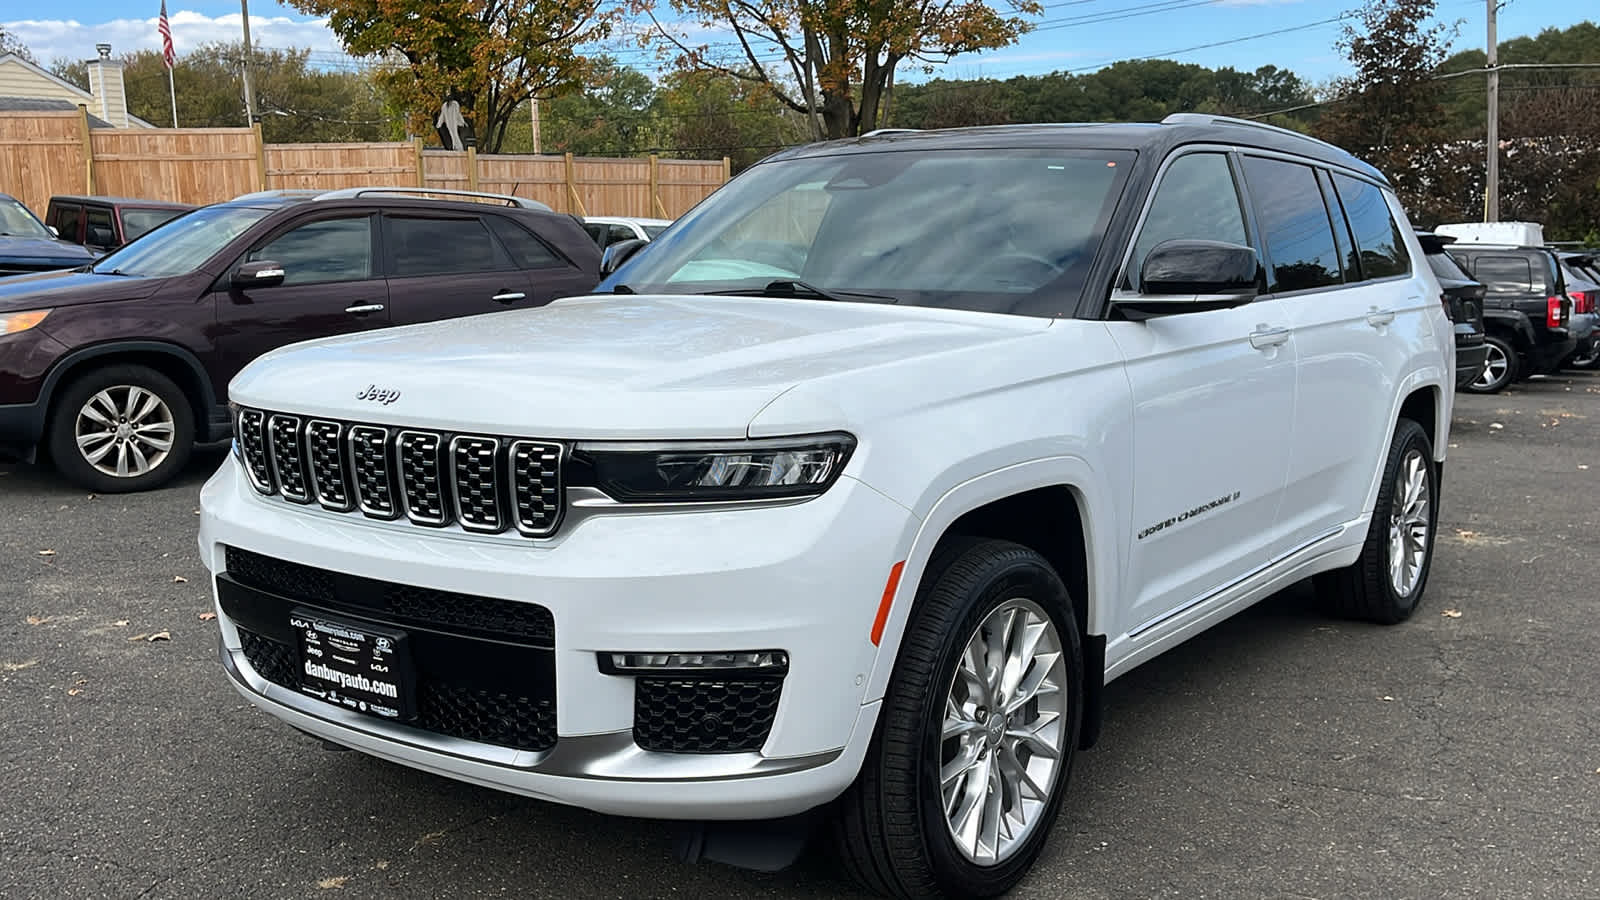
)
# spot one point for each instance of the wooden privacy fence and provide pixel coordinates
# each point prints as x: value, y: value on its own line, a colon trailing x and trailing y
x: 43, y: 154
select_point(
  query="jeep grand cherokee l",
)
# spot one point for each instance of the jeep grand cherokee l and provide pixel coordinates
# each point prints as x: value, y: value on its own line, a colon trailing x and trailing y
x: 117, y: 368
x: 852, y: 491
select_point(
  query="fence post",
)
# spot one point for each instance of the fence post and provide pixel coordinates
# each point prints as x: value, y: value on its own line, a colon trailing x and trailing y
x: 576, y: 202
x: 655, y: 186
x: 727, y: 170
x: 261, y: 154
x: 472, y: 168
x: 422, y: 176
x: 88, y: 149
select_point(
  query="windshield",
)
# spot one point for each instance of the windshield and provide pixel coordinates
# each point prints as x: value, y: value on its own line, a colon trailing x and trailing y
x: 183, y: 244
x: 137, y: 222
x: 1007, y: 231
x: 16, y: 220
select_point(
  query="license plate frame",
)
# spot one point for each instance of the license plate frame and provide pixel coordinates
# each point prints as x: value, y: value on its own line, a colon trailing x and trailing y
x: 355, y: 665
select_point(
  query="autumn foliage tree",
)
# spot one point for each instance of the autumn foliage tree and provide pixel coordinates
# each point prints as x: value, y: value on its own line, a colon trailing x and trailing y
x: 491, y: 56
x: 834, y: 60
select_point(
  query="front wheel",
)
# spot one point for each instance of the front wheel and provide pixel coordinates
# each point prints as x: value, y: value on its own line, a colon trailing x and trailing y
x: 970, y: 759
x: 1499, y: 367
x: 121, y: 429
x: 1387, y: 580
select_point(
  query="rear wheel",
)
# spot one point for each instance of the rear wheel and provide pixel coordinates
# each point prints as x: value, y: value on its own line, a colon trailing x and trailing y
x: 975, y: 742
x: 121, y: 429
x: 1499, y: 367
x: 1586, y: 359
x: 1387, y: 580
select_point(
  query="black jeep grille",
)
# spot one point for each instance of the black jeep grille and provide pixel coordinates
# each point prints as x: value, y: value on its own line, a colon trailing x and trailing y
x: 674, y: 715
x: 486, y: 484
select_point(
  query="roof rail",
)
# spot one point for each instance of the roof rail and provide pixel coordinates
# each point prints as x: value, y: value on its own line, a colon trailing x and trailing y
x: 278, y: 194
x: 879, y: 132
x: 354, y: 193
x: 1210, y: 119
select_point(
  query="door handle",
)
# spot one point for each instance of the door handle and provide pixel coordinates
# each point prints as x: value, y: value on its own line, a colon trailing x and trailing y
x: 1264, y: 337
x: 364, y: 308
x: 508, y: 297
x: 1378, y: 317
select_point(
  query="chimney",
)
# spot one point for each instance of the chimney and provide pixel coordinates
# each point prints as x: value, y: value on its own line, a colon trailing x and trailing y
x: 105, y: 86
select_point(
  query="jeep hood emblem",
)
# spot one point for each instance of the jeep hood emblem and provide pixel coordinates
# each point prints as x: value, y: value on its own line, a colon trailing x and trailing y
x: 378, y: 395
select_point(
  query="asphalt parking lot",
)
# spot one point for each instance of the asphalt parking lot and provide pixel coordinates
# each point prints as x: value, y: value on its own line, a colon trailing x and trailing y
x: 1281, y: 755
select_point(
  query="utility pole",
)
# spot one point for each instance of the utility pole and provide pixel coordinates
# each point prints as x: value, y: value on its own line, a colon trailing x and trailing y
x: 249, y: 99
x: 1491, y: 186
x: 534, y: 103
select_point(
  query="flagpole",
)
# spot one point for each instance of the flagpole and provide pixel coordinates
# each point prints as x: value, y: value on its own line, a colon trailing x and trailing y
x: 173, y: 90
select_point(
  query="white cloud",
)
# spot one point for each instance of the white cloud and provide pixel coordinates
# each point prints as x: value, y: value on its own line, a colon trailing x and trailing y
x: 53, y: 38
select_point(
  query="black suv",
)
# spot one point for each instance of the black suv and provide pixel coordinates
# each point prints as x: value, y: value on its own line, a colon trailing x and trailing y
x: 1463, y: 302
x: 119, y: 367
x: 1526, y: 311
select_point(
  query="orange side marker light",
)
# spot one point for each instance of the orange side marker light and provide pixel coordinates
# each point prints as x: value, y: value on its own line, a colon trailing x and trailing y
x: 888, y: 599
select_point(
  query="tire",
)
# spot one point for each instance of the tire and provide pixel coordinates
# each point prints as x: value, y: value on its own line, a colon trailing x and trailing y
x: 1375, y: 588
x: 890, y: 828
x: 1586, y: 360
x: 93, y: 444
x: 1500, y: 368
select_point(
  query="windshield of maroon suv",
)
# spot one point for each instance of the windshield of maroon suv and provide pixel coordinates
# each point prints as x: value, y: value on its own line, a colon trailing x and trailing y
x: 180, y: 246
x: 17, y: 221
x: 1006, y: 231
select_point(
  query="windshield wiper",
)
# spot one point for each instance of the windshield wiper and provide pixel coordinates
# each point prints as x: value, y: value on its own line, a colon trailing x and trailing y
x: 622, y: 289
x: 797, y: 288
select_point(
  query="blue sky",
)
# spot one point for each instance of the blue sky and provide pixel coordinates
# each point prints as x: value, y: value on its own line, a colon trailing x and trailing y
x: 1071, y: 35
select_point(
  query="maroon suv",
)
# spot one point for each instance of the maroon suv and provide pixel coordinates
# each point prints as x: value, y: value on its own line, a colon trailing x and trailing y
x: 116, y: 369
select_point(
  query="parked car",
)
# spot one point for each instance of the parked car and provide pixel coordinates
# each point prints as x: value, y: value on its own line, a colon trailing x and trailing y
x: 1526, y: 311
x: 105, y: 223
x: 117, y: 369
x: 1583, y: 286
x: 857, y: 543
x: 608, y: 230
x: 28, y: 245
x: 1463, y: 299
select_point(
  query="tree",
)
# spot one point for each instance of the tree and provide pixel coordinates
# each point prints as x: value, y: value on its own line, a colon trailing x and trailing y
x: 704, y: 115
x: 10, y: 43
x: 295, y: 102
x: 834, y: 60
x: 490, y: 56
x: 1389, y: 112
x: 612, y: 117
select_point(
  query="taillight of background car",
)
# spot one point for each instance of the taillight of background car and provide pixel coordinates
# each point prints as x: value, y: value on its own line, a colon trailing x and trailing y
x: 1553, y: 311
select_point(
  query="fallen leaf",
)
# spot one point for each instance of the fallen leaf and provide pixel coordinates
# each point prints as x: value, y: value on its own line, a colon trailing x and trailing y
x: 36, y: 620
x: 18, y: 667
x: 73, y: 692
x: 1463, y: 533
x: 92, y: 497
x: 381, y: 864
x: 81, y: 681
x: 179, y: 579
x: 197, y: 512
x: 47, y: 553
x: 1583, y: 467
x: 159, y: 636
x: 120, y: 623
x: 138, y: 637
x: 1452, y: 614
x: 1496, y: 426
x: 336, y: 881
x: 1386, y: 698
x: 207, y: 616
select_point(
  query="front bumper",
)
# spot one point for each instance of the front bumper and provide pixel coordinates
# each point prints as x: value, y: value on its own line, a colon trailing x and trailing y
x: 804, y: 578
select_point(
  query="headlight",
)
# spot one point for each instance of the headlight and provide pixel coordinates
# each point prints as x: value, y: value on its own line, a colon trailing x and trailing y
x: 736, y: 470
x: 17, y: 322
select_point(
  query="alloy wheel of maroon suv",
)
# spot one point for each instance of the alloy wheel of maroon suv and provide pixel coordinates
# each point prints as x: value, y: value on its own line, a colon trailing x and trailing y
x: 116, y: 369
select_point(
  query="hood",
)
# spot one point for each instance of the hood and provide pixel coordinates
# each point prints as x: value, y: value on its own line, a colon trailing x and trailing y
x: 69, y: 288
x: 14, y: 249
x: 614, y: 367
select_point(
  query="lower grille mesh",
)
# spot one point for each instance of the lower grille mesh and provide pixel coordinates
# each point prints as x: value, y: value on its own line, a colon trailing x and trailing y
x: 704, y: 716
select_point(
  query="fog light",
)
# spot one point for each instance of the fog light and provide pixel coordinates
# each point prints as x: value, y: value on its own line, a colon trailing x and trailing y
x: 752, y: 662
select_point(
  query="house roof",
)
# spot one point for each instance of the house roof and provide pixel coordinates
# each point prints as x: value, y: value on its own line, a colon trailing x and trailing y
x: 44, y: 73
x: 31, y: 104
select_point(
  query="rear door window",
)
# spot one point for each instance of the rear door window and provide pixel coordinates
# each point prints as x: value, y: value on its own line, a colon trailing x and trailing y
x: 1381, y: 247
x: 66, y: 221
x: 527, y: 251
x: 102, y: 232
x: 427, y: 246
x: 1196, y: 199
x: 1294, y: 225
x: 1504, y: 274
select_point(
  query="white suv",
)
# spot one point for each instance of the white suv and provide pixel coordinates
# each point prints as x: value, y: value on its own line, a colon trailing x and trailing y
x: 846, y: 497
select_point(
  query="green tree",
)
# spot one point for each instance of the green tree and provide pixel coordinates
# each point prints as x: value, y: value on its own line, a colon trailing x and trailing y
x: 837, y: 58
x: 706, y: 115
x: 612, y: 116
x: 491, y: 56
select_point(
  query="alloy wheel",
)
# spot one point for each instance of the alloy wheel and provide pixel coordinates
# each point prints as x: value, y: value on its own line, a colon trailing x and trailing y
x: 1409, y: 522
x: 1003, y: 732
x: 1495, y: 366
x: 125, y: 431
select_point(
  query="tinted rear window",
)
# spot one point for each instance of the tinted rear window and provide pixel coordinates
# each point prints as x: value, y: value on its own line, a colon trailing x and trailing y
x: 526, y: 250
x: 442, y: 247
x: 1294, y: 224
x: 1378, y: 240
x: 1445, y: 267
x: 1504, y: 274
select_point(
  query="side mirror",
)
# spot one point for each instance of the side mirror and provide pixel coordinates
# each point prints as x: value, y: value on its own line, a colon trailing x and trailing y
x: 1193, y: 276
x: 258, y: 274
x: 612, y: 258
x: 54, y: 231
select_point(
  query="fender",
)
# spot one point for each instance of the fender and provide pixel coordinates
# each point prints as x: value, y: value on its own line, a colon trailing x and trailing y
x: 1512, y: 320
x: 1425, y: 377
x: 1096, y: 509
x: 208, y: 397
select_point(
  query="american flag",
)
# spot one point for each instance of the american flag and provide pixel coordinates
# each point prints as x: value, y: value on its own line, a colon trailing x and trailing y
x: 168, y: 55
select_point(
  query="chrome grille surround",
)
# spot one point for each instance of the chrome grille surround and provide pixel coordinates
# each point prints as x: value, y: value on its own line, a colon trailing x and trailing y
x: 482, y: 483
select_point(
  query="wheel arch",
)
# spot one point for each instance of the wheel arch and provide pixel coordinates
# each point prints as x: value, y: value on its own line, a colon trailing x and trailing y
x: 1053, y: 506
x: 1422, y: 397
x: 171, y: 360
